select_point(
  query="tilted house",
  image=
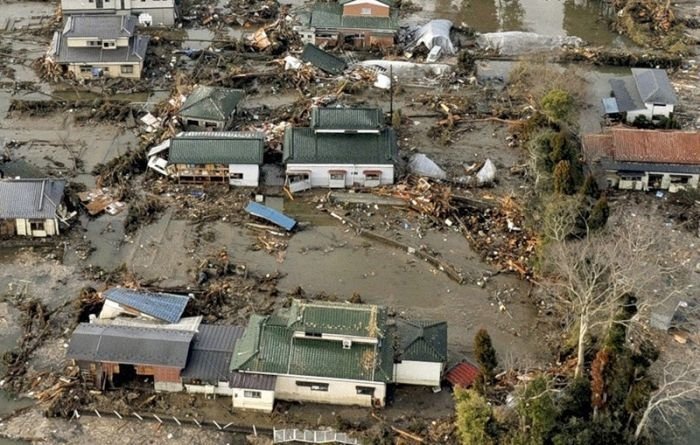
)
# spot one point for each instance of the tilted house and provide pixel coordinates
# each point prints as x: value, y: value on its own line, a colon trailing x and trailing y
x: 211, y: 108
x: 150, y: 12
x: 360, y: 23
x: 232, y: 158
x: 332, y: 353
x: 647, y: 92
x: 165, y: 308
x: 31, y: 207
x: 100, y: 45
x: 645, y: 159
x: 344, y: 147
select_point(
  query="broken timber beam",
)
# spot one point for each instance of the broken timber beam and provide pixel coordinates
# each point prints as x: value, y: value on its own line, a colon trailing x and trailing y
x: 449, y: 270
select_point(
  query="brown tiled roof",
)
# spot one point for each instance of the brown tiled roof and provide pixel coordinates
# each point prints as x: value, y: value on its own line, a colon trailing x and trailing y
x: 463, y: 374
x: 629, y: 145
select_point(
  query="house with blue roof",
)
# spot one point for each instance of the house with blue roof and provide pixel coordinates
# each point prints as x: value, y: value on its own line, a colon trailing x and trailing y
x: 156, y: 306
x: 647, y: 93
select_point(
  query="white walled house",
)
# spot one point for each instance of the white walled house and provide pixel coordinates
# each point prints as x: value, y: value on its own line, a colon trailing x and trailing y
x: 150, y: 12
x: 232, y: 158
x: 31, y: 207
x: 343, y: 147
x: 100, y: 46
x: 648, y: 92
x: 334, y: 353
x: 645, y: 160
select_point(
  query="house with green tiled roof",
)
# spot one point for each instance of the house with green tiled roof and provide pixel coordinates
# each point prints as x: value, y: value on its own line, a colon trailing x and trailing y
x: 211, y: 108
x: 227, y: 157
x: 360, y: 23
x: 336, y: 353
x: 343, y: 147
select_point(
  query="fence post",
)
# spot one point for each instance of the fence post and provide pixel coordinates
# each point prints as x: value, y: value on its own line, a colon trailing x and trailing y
x: 178, y: 422
x: 158, y: 419
x: 137, y: 416
x: 117, y: 414
x: 98, y: 413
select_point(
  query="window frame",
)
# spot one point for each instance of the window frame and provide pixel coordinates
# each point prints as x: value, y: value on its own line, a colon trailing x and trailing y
x: 313, y: 386
x: 251, y: 394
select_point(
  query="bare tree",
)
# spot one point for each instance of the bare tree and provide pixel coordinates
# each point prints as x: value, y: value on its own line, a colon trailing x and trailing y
x: 592, y: 278
x: 559, y: 217
x: 678, y: 393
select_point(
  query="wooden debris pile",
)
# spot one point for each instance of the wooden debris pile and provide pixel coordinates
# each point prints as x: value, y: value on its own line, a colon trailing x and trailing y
x: 64, y: 395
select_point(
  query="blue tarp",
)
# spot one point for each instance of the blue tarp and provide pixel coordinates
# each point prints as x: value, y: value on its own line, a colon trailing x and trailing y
x: 272, y: 215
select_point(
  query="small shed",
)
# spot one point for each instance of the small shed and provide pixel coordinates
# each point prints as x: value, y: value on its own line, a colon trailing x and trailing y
x: 31, y: 207
x: 422, y: 352
x: 211, y: 108
x: 463, y: 374
x: 253, y: 391
x: 166, y: 308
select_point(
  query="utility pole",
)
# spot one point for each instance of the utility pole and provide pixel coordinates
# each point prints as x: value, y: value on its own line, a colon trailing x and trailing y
x: 391, y: 95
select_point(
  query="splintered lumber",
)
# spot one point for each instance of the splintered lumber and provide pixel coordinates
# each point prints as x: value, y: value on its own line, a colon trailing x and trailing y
x: 449, y: 270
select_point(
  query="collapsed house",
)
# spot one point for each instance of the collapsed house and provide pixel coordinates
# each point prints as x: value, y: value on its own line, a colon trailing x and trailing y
x: 646, y: 93
x: 360, y: 23
x: 156, y: 306
x: 91, y: 46
x: 149, y: 12
x: 211, y: 108
x: 645, y: 159
x: 232, y: 158
x: 31, y: 207
x: 343, y: 147
x: 321, y: 352
x: 323, y: 60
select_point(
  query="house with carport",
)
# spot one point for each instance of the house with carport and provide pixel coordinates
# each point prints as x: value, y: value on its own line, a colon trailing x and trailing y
x: 343, y: 147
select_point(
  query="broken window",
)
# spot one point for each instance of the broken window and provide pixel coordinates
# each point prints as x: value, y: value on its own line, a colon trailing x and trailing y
x: 313, y: 386
x: 36, y: 225
x: 678, y: 179
x: 337, y: 176
x: 365, y: 390
x: 252, y: 394
x: 236, y: 175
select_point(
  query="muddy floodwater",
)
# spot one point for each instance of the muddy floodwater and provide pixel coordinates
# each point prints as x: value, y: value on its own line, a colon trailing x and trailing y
x: 581, y: 18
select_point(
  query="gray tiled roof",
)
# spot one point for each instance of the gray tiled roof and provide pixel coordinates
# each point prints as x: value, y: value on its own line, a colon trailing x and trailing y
x: 217, y: 148
x: 625, y: 92
x: 130, y: 345
x: 30, y: 198
x: 330, y: 16
x: 323, y: 60
x: 424, y: 341
x: 303, y: 145
x: 653, y: 86
x: 134, y: 53
x: 211, y: 103
x: 347, y: 118
x: 210, y: 356
x: 166, y: 307
x: 100, y: 26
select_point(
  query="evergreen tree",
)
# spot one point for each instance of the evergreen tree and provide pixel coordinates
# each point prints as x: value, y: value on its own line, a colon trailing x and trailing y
x: 485, y: 354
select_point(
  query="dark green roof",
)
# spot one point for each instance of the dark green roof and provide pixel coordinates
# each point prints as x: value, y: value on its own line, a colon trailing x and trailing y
x: 305, y: 146
x: 217, y: 148
x: 323, y: 60
x: 330, y: 15
x: 386, y: 2
x: 424, y: 341
x: 347, y: 118
x: 269, y: 345
x: 211, y: 103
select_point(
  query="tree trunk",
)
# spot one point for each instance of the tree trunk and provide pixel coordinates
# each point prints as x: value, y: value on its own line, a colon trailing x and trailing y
x: 582, y: 331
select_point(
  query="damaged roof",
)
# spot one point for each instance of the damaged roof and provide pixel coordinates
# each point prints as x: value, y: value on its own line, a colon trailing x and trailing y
x: 305, y: 146
x: 347, y: 118
x: 130, y: 345
x: 644, y: 146
x: 99, y: 26
x: 211, y: 103
x: 330, y: 16
x: 210, y: 356
x: 30, y: 198
x: 653, y: 86
x: 269, y: 344
x: 165, y: 307
x: 229, y: 147
x: 421, y: 340
x: 323, y: 60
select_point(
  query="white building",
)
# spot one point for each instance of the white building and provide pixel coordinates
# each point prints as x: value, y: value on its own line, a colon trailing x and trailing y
x: 343, y: 354
x: 232, y: 158
x: 31, y: 207
x: 100, y: 46
x: 344, y: 147
x: 150, y: 12
x: 645, y: 159
x: 647, y: 92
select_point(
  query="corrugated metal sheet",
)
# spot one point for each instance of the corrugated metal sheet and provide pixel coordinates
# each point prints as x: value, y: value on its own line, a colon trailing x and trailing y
x: 463, y: 374
x: 217, y: 148
x: 331, y: 16
x: 166, y: 307
x: 30, y: 198
x: 272, y: 215
x: 610, y: 105
x: 244, y: 380
x: 210, y: 356
x: 347, y: 118
x: 323, y: 60
x: 341, y: 318
x: 211, y: 103
x: 421, y: 340
x: 130, y: 345
x: 304, y: 146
